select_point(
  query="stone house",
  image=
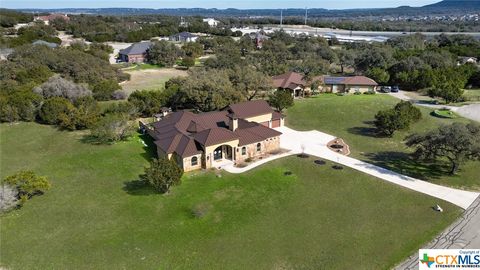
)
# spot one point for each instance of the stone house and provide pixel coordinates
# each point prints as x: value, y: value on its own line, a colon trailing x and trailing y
x: 135, y: 53
x: 206, y: 140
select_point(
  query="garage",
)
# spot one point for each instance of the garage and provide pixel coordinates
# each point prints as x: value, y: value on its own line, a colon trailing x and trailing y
x: 275, y: 123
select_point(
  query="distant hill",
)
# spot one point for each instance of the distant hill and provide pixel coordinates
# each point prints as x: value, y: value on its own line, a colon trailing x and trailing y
x: 455, y: 4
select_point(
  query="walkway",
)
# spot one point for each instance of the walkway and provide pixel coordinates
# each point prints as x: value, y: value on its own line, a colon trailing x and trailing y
x: 463, y: 234
x: 471, y: 111
x: 314, y: 143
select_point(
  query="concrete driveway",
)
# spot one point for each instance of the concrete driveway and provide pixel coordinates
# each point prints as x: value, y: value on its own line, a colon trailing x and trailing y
x: 314, y: 143
x: 471, y: 111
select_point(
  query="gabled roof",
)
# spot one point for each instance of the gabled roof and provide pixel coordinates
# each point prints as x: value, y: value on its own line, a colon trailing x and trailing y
x: 214, y: 136
x: 291, y: 80
x: 250, y: 108
x: 136, y: 48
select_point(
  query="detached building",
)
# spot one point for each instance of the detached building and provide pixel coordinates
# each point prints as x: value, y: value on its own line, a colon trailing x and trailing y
x: 183, y: 37
x: 136, y: 53
x: 352, y: 84
x: 211, y: 22
x: 206, y: 140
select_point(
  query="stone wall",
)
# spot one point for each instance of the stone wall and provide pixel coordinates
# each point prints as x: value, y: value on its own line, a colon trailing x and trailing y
x: 267, y: 146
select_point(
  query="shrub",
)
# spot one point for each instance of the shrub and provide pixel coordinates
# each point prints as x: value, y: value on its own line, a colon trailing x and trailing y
x: 53, y: 108
x: 112, y: 128
x: 104, y: 90
x: 57, y: 86
x: 119, y: 95
x: 162, y: 174
x: 28, y: 184
x: 147, y: 102
x: 397, y: 118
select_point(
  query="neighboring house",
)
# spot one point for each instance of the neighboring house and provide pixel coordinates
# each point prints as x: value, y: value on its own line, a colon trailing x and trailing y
x: 206, y: 140
x: 48, y: 18
x: 183, y: 37
x: 294, y: 82
x: 259, y: 37
x: 211, y: 22
x: 348, y: 84
x: 462, y: 60
x: 45, y: 43
x: 136, y: 53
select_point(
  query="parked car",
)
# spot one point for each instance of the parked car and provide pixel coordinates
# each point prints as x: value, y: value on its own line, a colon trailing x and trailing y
x: 386, y: 89
x: 395, y: 89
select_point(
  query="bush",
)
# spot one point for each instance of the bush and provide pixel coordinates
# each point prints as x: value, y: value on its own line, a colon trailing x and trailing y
x: 112, y: 128
x: 397, y: 118
x: 28, y: 184
x: 119, y: 95
x: 104, y: 90
x: 162, y: 174
x: 57, y: 86
x: 54, y: 109
x: 147, y: 102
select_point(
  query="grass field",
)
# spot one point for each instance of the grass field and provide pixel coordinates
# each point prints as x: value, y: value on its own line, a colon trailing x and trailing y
x: 350, y: 117
x: 98, y: 216
x: 150, y: 79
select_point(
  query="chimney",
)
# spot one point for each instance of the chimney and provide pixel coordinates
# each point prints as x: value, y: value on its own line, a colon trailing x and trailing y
x: 233, y: 122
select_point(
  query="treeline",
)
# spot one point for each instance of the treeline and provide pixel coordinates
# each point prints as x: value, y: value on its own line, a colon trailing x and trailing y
x: 132, y: 28
x: 9, y: 18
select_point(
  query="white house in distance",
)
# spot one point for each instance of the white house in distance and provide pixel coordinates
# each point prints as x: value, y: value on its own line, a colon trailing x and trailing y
x: 211, y: 22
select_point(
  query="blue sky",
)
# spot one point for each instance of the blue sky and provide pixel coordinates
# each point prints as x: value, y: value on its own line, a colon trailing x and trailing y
x: 243, y: 4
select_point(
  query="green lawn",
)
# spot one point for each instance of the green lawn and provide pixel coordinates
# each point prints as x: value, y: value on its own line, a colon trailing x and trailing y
x: 97, y: 216
x: 350, y: 117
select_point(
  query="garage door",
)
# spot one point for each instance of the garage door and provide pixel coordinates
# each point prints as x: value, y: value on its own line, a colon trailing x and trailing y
x: 264, y: 123
x: 276, y: 123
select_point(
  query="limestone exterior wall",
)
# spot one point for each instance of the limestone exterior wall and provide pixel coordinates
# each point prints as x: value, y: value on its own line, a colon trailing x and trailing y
x: 187, y: 163
x: 266, y: 146
x: 360, y: 88
x: 260, y: 118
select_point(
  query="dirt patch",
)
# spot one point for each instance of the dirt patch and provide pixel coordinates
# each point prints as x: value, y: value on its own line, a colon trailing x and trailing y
x: 150, y: 79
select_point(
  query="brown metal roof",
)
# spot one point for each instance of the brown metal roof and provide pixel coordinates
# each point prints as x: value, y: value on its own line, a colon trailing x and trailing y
x: 250, y: 108
x: 187, y: 134
x: 359, y: 80
x: 292, y: 80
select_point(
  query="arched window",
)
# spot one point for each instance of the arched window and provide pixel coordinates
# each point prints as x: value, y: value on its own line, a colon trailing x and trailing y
x: 244, y: 151
x: 259, y: 147
x: 194, y: 161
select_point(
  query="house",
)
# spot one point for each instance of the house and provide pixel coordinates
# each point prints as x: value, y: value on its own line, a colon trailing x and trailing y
x: 351, y: 84
x: 259, y: 37
x: 45, y: 43
x: 48, y: 18
x: 211, y: 22
x: 462, y: 60
x: 135, y: 53
x: 183, y: 37
x: 201, y: 141
x: 295, y: 83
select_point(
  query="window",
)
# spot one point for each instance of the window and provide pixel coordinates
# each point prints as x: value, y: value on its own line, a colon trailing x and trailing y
x: 194, y: 161
x: 244, y: 151
x: 259, y: 147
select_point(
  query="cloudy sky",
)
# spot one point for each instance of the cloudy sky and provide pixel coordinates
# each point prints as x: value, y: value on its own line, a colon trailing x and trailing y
x: 244, y: 4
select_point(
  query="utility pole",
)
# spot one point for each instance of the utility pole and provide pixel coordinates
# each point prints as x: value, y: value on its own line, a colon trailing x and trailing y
x: 281, y: 18
x: 306, y: 15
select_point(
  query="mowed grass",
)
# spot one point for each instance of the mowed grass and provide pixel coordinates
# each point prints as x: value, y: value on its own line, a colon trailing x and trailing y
x: 97, y: 216
x: 150, y: 78
x: 351, y: 118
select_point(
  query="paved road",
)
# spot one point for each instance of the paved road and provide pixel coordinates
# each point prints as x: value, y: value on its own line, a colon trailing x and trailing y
x: 463, y: 234
x: 471, y: 111
x: 314, y: 143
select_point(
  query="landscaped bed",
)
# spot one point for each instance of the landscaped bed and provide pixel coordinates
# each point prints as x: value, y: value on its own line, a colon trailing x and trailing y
x: 444, y: 113
x: 97, y: 214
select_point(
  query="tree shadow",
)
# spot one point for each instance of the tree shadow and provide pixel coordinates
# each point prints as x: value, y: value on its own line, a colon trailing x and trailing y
x: 89, y: 139
x: 369, y: 131
x: 405, y: 164
x: 138, y: 188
